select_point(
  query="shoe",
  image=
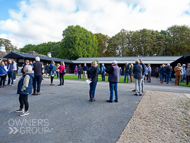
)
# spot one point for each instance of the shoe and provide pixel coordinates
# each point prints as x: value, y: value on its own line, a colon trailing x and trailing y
x: 38, y: 93
x: 93, y: 99
x: 109, y: 101
x: 59, y: 85
x: 12, y: 85
x: 140, y: 94
x: 133, y: 90
x: 116, y: 100
x: 136, y: 94
x: 34, y: 93
x: 51, y: 84
x: 25, y: 113
x: 19, y: 110
x: 142, y: 91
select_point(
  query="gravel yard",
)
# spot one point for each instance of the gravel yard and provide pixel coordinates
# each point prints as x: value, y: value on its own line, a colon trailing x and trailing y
x: 159, y: 117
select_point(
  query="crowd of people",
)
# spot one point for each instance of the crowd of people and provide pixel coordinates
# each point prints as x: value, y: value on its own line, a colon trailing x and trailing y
x: 30, y: 82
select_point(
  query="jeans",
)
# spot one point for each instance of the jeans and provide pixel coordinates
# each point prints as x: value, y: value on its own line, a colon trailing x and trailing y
x: 38, y: 79
x: 131, y: 77
x: 149, y: 76
x: 61, y: 78
x: 182, y: 77
x: 168, y: 76
x: 79, y: 75
x: 103, y: 76
x: 126, y: 75
x: 23, y: 99
x: 113, y: 87
x: 2, y: 81
x: 142, y: 83
x: 57, y: 73
x: 10, y: 77
x: 138, y: 85
x: 92, y: 89
x: 160, y: 75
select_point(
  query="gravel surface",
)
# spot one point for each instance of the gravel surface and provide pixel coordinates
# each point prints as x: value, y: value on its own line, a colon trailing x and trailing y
x: 159, y: 117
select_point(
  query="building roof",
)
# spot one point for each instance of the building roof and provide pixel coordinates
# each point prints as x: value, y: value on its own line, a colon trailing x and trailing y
x: 183, y: 60
x: 14, y: 54
x: 122, y: 60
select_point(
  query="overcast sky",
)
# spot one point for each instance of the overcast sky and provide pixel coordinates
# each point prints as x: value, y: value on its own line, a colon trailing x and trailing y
x: 37, y: 21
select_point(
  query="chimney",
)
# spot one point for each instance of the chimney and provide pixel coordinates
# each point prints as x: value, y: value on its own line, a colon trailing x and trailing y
x: 49, y: 54
x: 2, y: 48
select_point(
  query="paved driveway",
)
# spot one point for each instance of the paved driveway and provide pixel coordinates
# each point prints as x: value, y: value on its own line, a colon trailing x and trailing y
x: 64, y: 114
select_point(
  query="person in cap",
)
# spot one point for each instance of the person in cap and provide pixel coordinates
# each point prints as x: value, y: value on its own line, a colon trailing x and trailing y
x: 177, y: 71
x: 25, y: 88
x: 113, y: 79
x: 188, y: 74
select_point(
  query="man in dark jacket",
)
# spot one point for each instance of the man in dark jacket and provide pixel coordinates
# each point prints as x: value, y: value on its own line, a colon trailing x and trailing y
x: 10, y: 73
x: 37, y: 67
x: 113, y: 79
x: 168, y: 72
x: 126, y: 72
x: 79, y: 71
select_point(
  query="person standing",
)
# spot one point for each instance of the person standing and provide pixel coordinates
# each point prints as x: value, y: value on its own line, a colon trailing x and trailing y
x: 146, y: 73
x: 183, y: 73
x: 177, y: 71
x: 3, y: 73
x: 126, y: 72
x: 188, y: 74
x: 15, y: 69
x: 85, y: 68
x: 25, y: 88
x: 156, y: 71
x: 162, y: 72
x: 10, y: 73
x: 57, y: 70
x: 149, y: 73
x: 137, y: 71
x: 79, y: 71
x: 26, y: 63
x: 37, y: 67
x: 93, y: 77
x: 52, y: 71
x: 131, y: 72
x: 47, y: 69
x: 168, y: 73
x: 103, y: 72
x: 76, y: 70
x: 113, y: 79
x: 61, y: 73
x: 143, y: 74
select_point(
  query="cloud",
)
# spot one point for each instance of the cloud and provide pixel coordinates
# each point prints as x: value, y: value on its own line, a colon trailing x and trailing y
x: 42, y: 21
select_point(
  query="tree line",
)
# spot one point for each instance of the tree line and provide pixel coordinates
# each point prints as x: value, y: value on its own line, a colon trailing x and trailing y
x: 79, y: 42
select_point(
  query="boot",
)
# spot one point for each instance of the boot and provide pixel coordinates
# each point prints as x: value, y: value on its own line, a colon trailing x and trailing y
x: 162, y: 80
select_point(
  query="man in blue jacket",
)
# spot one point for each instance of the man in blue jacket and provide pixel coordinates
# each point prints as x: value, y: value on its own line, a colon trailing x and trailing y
x: 113, y: 79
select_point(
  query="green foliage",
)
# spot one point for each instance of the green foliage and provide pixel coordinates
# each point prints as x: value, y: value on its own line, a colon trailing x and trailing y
x: 78, y: 42
x: 8, y: 44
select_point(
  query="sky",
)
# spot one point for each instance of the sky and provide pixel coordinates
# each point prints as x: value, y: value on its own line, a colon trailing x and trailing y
x: 38, y: 21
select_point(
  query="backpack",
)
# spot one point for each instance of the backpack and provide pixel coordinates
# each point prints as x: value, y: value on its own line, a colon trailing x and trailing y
x: 64, y: 71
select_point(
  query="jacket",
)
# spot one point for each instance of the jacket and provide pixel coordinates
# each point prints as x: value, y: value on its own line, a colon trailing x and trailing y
x: 168, y: 70
x: 52, y: 68
x: 25, y: 84
x: 61, y: 68
x: 137, y: 71
x: 85, y: 68
x: 10, y: 67
x: 131, y: 71
x: 93, y: 73
x: 126, y: 69
x: 37, y: 67
x: 2, y: 70
x: 143, y: 68
x: 103, y: 69
x: 177, y: 70
x: 114, y: 73
x: 80, y: 70
x: 188, y: 71
x: 162, y: 70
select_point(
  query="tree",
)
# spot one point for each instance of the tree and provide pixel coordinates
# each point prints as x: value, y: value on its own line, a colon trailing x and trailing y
x: 78, y: 42
x: 8, y: 44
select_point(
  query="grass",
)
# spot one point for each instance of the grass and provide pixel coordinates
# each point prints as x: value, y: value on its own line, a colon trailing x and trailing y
x: 75, y: 77
x: 184, y: 84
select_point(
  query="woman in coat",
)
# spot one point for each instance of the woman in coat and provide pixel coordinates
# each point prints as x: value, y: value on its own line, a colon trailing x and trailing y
x: 61, y: 73
x: 93, y: 76
x: 137, y: 71
x: 52, y: 71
